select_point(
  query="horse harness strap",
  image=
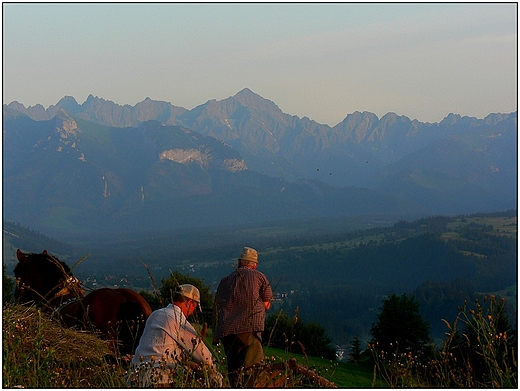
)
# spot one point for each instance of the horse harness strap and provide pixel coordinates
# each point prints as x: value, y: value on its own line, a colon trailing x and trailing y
x: 66, y: 286
x: 69, y: 286
x: 57, y: 309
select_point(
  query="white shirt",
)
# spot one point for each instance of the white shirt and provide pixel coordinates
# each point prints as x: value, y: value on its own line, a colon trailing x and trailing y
x: 167, y: 333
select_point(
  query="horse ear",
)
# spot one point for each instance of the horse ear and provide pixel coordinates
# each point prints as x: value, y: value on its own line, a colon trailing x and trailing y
x: 21, y: 256
x: 44, y: 252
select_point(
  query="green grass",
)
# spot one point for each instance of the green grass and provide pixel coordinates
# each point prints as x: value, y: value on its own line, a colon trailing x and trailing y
x: 501, y: 225
x: 343, y: 374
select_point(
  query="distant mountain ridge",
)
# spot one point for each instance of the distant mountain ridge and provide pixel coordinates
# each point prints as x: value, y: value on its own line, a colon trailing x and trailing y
x: 282, y: 145
x: 111, y: 157
x: 104, y: 112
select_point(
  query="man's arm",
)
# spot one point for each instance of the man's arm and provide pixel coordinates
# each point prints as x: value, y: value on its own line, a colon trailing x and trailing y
x: 267, y: 294
x: 194, y: 345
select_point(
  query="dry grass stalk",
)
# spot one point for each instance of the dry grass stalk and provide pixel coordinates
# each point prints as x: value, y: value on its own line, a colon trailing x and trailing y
x: 69, y: 345
x: 40, y: 353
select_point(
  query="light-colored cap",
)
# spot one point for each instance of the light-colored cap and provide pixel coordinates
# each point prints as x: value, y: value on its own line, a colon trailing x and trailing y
x: 248, y: 254
x: 191, y: 292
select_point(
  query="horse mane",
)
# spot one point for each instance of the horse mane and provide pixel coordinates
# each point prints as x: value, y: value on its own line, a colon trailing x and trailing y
x: 44, y: 263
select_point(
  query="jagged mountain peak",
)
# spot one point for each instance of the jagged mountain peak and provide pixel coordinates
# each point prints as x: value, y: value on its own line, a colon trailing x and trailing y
x: 450, y: 119
x: 94, y: 101
x: 494, y: 118
x: 91, y: 98
x: 353, y: 120
x: 36, y: 112
x: 13, y: 110
x: 248, y: 98
x: 246, y: 94
x: 453, y: 119
x: 392, y: 117
x: 67, y: 100
x: 357, y: 126
x: 67, y: 103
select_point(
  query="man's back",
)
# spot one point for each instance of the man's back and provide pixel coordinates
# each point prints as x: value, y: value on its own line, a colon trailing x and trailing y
x: 239, y: 302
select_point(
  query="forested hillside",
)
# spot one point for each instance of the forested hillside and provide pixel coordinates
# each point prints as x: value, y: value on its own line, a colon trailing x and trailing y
x: 443, y: 261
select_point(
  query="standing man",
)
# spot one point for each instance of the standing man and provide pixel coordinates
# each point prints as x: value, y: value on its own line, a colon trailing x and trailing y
x: 241, y: 302
x: 170, y: 345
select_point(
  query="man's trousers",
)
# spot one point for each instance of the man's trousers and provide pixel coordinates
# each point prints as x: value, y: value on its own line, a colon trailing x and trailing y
x: 243, y: 351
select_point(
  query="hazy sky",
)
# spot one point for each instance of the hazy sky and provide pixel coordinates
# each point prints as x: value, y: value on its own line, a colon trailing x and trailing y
x: 322, y: 61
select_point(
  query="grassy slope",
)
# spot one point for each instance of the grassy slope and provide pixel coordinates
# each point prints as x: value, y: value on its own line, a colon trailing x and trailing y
x: 343, y: 374
x: 41, y: 353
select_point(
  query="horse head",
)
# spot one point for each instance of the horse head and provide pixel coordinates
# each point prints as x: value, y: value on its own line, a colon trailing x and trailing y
x: 44, y: 279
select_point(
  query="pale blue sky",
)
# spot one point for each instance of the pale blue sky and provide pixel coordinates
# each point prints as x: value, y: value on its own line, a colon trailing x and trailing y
x: 322, y: 61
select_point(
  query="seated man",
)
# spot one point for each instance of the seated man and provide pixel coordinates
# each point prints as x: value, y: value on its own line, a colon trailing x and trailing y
x: 170, y: 345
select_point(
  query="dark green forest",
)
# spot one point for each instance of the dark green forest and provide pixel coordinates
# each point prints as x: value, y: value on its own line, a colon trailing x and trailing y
x: 337, y: 276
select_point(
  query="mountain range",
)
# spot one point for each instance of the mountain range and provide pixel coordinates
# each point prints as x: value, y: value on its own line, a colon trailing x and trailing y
x: 103, y: 167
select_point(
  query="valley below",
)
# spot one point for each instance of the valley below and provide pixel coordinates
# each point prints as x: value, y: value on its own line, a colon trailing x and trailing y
x: 333, y: 271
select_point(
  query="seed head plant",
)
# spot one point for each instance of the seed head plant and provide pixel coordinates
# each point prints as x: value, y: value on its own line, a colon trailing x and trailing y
x: 478, y: 351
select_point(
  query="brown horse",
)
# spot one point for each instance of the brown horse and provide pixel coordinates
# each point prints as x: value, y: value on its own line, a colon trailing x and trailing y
x: 119, y: 314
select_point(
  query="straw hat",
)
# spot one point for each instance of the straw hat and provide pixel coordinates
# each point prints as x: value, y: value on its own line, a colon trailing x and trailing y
x: 248, y: 254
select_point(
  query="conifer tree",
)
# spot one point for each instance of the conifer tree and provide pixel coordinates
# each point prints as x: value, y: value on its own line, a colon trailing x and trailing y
x: 400, y: 328
x: 355, y: 349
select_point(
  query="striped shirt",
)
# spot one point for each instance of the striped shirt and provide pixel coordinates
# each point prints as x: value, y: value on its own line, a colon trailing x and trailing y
x: 239, y: 302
